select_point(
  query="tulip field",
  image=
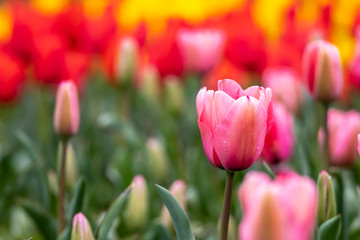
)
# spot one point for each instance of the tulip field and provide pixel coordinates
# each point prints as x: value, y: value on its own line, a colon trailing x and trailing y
x: 193, y: 119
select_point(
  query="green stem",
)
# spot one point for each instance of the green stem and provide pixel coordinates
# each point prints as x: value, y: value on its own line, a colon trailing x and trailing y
x: 61, y: 199
x: 225, y: 215
x: 326, y: 137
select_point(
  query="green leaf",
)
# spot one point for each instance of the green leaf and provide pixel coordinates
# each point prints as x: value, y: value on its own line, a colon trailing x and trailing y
x: 180, y: 220
x: 29, y: 145
x: 75, y: 207
x: 112, y: 214
x: 268, y: 170
x: 330, y: 229
x: 44, y: 222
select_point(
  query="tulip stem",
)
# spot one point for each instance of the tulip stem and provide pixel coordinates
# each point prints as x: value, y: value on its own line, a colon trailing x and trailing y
x: 225, y: 215
x: 326, y: 136
x: 61, y: 196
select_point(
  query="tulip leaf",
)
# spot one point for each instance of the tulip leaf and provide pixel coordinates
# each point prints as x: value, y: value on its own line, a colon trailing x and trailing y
x: 112, y: 214
x: 180, y: 220
x: 75, y: 207
x: 29, y: 144
x: 330, y: 229
x: 268, y: 170
x: 44, y: 222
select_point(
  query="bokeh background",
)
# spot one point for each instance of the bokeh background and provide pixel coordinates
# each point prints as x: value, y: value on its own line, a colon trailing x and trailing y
x: 45, y: 41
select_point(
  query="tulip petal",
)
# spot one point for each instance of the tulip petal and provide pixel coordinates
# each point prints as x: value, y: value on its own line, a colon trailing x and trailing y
x: 207, y: 139
x: 239, y: 138
x: 231, y: 87
x: 200, y: 101
x: 207, y: 115
x: 222, y: 105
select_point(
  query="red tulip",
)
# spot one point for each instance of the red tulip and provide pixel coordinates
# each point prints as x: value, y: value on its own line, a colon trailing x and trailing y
x: 343, y: 130
x: 233, y: 123
x: 282, y: 209
x: 279, y: 141
x: 12, y: 77
x: 322, y: 70
x: 66, y: 116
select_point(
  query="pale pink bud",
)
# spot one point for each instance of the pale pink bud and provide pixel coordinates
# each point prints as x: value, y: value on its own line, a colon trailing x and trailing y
x: 286, y: 87
x: 126, y: 61
x: 81, y: 229
x: 201, y: 49
x: 284, y: 208
x: 66, y: 117
x: 178, y: 190
x: 322, y: 70
x: 279, y: 141
x: 343, y: 130
x: 233, y: 123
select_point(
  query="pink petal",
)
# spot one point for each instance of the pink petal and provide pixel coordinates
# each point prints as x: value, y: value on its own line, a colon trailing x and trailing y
x: 222, y: 105
x: 231, y: 87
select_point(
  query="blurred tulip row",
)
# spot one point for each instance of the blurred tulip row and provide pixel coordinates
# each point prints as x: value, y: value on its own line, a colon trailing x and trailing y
x: 100, y: 115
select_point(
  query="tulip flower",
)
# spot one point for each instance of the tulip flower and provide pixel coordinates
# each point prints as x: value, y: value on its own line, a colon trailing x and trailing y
x: 233, y: 123
x: 285, y: 86
x: 358, y: 148
x: 322, y: 70
x: 282, y: 209
x: 201, y: 49
x: 279, y: 141
x: 178, y: 190
x: 136, y: 212
x: 66, y: 117
x: 343, y: 136
x: 12, y: 77
x: 81, y: 229
x: 326, y: 201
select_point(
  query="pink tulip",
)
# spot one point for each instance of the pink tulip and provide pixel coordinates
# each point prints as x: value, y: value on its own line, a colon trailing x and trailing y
x: 282, y: 209
x: 322, y: 70
x: 66, y: 117
x: 81, y: 229
x: 343, y: 141
x: 286, y: 87
x: 358, y: 148
x: 233, y: 123
x: 280, y: 139
x: 201, y: 49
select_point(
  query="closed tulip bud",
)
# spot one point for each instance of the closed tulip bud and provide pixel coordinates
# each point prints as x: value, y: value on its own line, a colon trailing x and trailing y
x: 286, y: 87
x: 158, y: 165
x: 81, y: 229
x: 174, y: 94
x: 280, y: 209
x: 150, y: 83
x: 178, y: 190
x: 201, y: 49
x: 343, y: 136
x: 233, y: 123
x: 71, y: 164
x: 126, y: 60
x: 136, y: 213
x: 279, y: 141
x: 326, y: 200
x: 66, y: 117
x: 322, y: 70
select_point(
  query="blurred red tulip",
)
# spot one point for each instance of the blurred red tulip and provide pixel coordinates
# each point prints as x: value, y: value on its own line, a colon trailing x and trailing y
x: 12, y: 77
x: 279, y: 141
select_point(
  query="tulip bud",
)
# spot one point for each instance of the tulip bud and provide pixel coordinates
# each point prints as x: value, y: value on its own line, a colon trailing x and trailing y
x: 136, y: 213
x: 81, y: 229
x: 174, y: 94
x: 66, y: 117
x: 126, y: 60
x: 157, y: 159
x: 326, y: 199
x: 149, y: 85
x: 71, y: 164
x: 322, y: 70
x: 178, y: 190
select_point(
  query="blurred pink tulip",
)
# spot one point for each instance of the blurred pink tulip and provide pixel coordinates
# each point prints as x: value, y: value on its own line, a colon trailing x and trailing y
x: 286, y: 87
x: 201, y: 49
x: 233, y: 123
x: 343, y: 131
x: 322, y: 70
x: 66, y: 117
x: 358, y: 148
x: 279, y: 141
x: 282, y: 209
